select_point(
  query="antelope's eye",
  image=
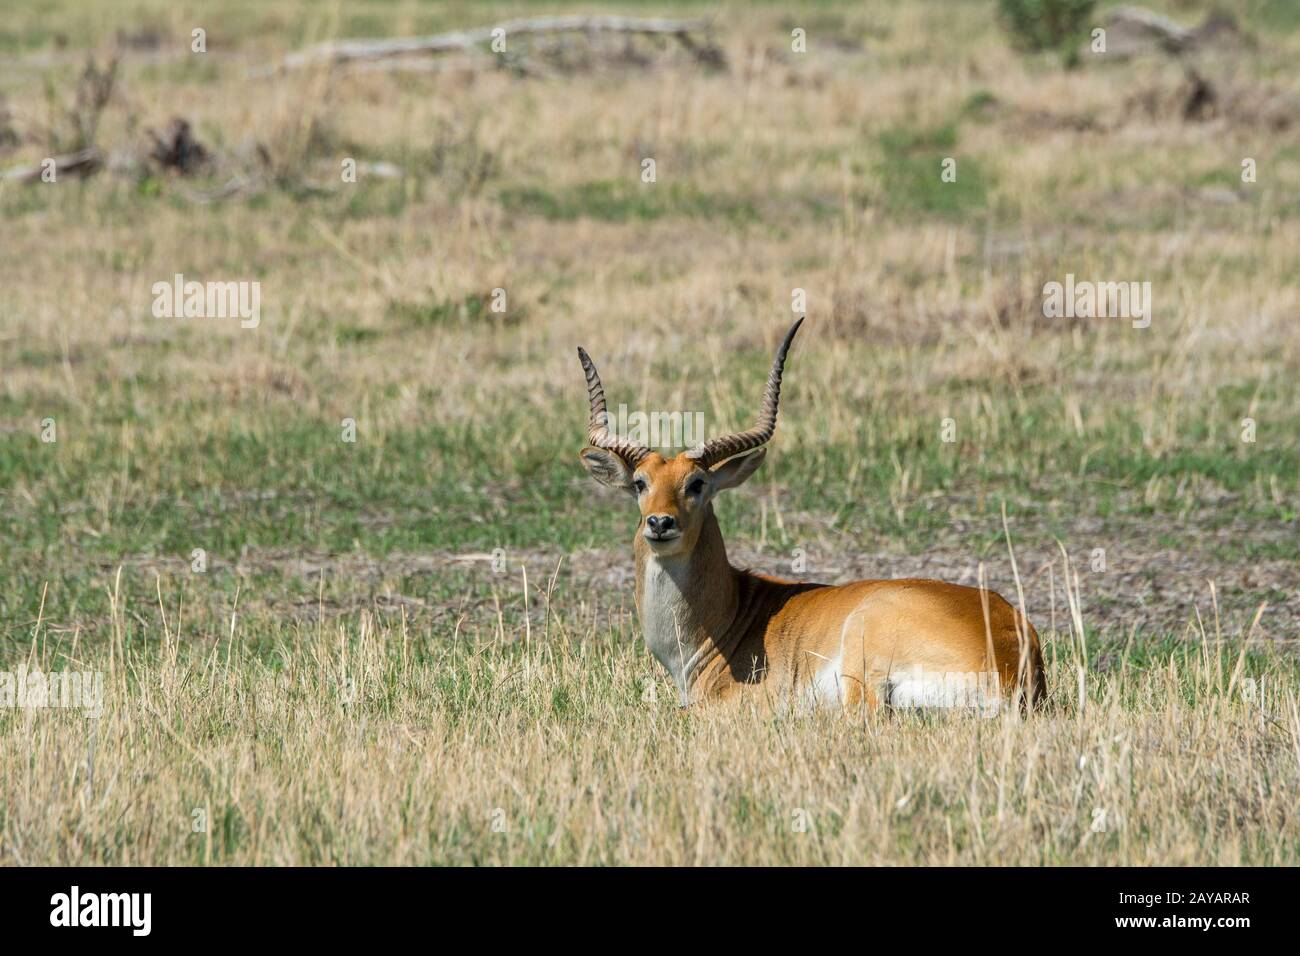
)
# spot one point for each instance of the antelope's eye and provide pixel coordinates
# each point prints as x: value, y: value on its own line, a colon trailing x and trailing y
x: 638, y: 484
x: 695, y: 487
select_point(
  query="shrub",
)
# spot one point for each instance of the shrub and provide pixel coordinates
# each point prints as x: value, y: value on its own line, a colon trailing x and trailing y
x: 1045, y: 24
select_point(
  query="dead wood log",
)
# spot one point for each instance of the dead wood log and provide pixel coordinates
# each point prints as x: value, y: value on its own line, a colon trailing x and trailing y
x: 84, y: 162
x: 346, y: 51
x: 1135, y: 30
x: 234, y: 186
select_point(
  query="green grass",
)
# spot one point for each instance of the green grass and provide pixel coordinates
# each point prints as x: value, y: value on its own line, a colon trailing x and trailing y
x: 911, y: 167
x: 282, y: 480
x: 625, y: 201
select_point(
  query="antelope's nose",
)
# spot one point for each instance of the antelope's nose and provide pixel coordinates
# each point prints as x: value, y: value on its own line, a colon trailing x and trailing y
x: 660, y: 524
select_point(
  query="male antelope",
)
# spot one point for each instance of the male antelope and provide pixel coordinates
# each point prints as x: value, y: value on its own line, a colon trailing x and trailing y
x: 718, y: 629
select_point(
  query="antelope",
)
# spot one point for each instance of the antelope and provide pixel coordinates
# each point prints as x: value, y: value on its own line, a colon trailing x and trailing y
x: 721, y: 631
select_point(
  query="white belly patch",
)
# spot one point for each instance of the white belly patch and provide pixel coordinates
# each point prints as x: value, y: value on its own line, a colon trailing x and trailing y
x: 918, y: 688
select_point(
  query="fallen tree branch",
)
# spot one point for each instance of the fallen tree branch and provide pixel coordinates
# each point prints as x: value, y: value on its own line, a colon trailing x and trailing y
x: 1137, y: 24
x: 1132, y: 30
x: 347, y: 51
x: 233, y: 187
x: 84, y: 162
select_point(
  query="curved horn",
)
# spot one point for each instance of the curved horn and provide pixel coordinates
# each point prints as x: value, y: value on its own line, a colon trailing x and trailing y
x: 727, y: 446
x: 598, y: 432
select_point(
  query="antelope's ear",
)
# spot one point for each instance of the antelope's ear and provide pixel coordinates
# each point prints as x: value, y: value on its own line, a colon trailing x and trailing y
x: 734, y: 472
x: 607, y: 468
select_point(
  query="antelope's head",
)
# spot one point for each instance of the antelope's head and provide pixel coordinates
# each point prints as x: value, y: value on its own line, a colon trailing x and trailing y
x: 674, y: 494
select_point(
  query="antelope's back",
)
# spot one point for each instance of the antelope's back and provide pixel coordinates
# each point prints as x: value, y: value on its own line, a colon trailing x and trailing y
x: 873, y: 628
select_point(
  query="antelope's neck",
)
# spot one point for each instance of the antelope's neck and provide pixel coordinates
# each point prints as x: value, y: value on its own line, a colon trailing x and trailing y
x: 687, y: 604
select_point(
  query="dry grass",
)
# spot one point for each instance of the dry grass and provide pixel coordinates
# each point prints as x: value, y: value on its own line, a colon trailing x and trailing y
x: 341, y: 561
x: 364, y: 745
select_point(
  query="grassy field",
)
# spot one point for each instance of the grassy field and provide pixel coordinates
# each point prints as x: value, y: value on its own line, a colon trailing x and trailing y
x: 421, y: 646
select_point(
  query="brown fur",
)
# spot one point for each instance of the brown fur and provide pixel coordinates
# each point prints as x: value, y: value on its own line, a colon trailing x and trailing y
x: 738, y: 630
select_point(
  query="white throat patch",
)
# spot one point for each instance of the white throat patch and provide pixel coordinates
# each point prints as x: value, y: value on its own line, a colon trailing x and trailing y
x: 665, y: 618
